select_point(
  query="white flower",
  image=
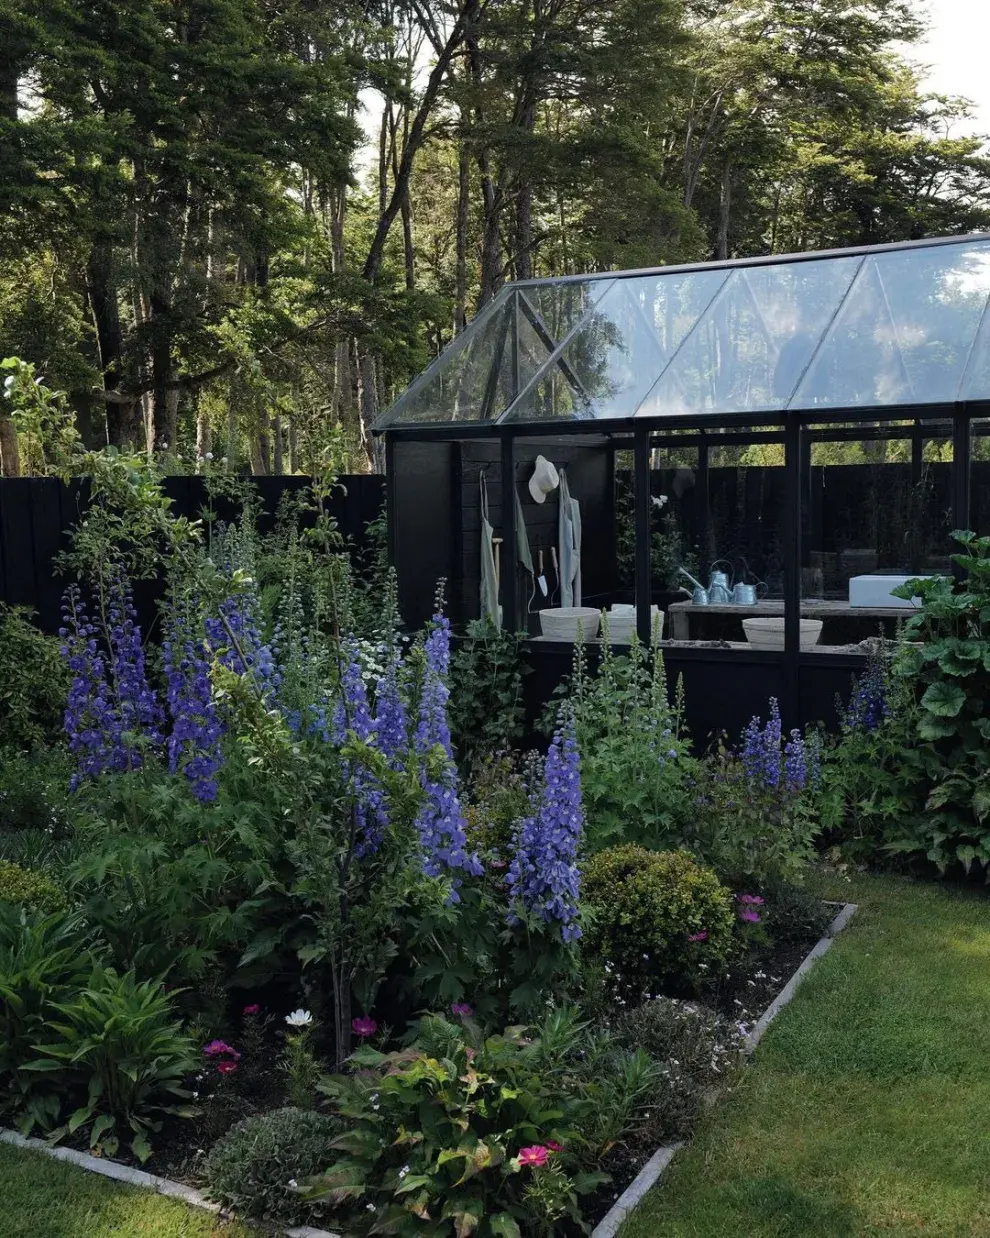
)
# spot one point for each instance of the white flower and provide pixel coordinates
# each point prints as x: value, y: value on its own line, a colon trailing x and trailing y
x: 292, y: 1184
x: 299, y: 1018
x: 208, y: 456
x: 403, y: 1171
x: 659, y: 500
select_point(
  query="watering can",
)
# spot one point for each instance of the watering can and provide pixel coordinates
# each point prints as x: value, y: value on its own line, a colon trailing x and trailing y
x: 747, y: 595
x: 700, y: 595
x: 719, y: 588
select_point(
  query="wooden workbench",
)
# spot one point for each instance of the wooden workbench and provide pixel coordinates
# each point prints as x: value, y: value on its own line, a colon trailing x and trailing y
x: 679, y: 613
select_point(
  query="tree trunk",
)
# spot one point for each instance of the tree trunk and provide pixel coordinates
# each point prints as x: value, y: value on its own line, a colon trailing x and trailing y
x: 278, y: 458
x: 161, y: 373
x: 368, y: 401
x: 461, y: 229
x: 724, y: 212
x: 204, y: 435
x: 123, y: 421
x: 10, y: 457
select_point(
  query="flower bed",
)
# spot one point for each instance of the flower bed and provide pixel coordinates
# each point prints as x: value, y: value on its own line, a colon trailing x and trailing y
x: 290, y: 867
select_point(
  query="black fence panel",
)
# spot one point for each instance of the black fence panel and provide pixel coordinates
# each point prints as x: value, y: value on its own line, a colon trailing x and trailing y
x: 37, y: 515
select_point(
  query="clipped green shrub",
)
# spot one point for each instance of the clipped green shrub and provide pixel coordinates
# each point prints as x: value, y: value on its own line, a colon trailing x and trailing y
x: 250, y: 1168
x: 656, y: 916
x: 29, y: 889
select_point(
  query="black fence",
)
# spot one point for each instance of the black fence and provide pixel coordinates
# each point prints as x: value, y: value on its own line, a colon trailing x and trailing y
x: 38, y: 513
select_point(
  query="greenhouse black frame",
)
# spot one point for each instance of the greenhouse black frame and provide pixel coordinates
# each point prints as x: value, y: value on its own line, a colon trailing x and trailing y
x: 876, y: 343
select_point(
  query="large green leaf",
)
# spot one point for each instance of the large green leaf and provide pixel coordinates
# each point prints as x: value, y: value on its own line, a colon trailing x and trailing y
x: 504, y: 1225
x: 945, y: 700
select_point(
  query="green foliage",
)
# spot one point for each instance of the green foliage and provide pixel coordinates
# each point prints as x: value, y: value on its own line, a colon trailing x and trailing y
x: 635, y: 767
x: 435, y: 1133
x: 33, y: 890
x: 115, y: 1050
x: 43, y: 961
x: 751, y: 834
x: 34, y: 793
x: 952, y: 674
x: 35, y: 684
x: 486, y: 702
x: 794, y: 913
x: 49, y: 439
x: 700, y: 1050
x: 644, y: 906
x: 251, y: 1168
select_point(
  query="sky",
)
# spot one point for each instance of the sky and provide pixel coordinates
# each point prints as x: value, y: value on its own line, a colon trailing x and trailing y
x: 956, y: 52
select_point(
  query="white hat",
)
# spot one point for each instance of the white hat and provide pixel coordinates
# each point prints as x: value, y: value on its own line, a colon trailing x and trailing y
x: 544, y: 481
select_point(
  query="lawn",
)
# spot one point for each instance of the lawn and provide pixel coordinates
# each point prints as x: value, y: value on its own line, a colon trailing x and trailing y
x: 42, y: 1198
x: 865, y: 1110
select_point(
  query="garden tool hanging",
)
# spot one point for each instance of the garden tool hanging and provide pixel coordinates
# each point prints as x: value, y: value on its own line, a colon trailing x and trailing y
x: 569, y: 538
x: 489, y: 572
x: 523, y: 553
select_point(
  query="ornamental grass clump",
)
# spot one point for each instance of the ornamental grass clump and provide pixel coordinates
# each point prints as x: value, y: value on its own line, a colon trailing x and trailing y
x: 655, y: 918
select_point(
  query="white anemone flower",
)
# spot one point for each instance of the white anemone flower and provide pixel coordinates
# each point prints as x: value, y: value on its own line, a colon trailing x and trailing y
x: 299, y: 1018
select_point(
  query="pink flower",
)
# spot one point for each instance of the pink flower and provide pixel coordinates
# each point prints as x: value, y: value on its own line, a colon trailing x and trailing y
x: 470, y: 1054
x: 226, y: 1068
x: 461, y: 1008
x: 535, y: 1155
x: 252, y: 1009
x: 498, y: 864
x: 217, y: 1047
x: 751, y: 900
x: 364, y: 1026
x: 702, y: 936
x: 751, y: 917
x: 554, y: 1146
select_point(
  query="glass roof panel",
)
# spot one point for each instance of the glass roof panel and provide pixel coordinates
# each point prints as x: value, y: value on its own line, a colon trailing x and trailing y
x: 892, y: 326
x: 750, y: 347
x: 906, y: 332
x: 458, y: 386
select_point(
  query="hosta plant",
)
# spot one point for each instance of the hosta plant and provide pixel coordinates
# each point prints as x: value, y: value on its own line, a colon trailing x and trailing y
x: 115, y: 1049
x: 457, y: 1135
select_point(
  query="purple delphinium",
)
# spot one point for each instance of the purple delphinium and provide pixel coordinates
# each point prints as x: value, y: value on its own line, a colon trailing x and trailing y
x: 194, y: 744
x: 111, y: 712
x: 140, y: 713
x: 752, y: 749
x: 351, y: 715
x: 440, y: 821
x: 772, y: 735
x: 391, y: 723
x: 795, y: 763
x: 89, y: 721
x: 869, y: 706
x: 235, y: 637
x: 544, y: 874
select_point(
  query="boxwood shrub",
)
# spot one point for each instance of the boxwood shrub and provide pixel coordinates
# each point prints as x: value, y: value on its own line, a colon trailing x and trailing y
x: 656, y: 916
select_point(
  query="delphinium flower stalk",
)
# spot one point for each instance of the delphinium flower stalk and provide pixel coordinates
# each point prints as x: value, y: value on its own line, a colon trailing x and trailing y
x: 544, y: 875
x: 440, y: 821
x: 352, y: 716
x: 89, y: 721
x: 391, y: 723
x: 235, y: 638
x: 795, y: 763
x: 870, y: 703
x: 194, y: 743
x: 140, y: 713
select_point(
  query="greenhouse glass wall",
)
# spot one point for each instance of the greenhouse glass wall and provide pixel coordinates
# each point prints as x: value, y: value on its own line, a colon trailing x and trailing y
x: 750, y: 453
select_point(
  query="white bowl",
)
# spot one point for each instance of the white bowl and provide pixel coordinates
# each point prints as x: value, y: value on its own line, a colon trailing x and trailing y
x: 622, y: 625
x: 769, y: 633
x: 561, y: 622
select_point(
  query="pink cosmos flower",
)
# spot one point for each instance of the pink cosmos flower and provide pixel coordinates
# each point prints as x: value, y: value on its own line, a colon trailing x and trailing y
x: 226, y: 1068
x: 702, y: 936
x: 535, y: 1155
x: 364, y: 1026
x: 751, y: 900
x: 252, y: 1009
x: 217, y: 1047
x: 554, y: 1146
x: 751, y: 917
x: 461, y: 1008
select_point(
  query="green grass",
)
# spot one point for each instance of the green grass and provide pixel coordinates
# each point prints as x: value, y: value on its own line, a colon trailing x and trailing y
x: 867, y: 1107
x: 42, y: 1198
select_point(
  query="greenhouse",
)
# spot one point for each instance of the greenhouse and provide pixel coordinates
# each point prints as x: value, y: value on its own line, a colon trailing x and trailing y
x: 743, y: 457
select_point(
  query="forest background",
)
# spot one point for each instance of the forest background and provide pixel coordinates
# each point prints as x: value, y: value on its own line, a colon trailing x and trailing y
x: 240, y: 227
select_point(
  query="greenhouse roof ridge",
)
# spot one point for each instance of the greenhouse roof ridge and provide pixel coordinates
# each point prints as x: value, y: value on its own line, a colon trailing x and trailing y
x: 867, y: 327
x: 757, y: 260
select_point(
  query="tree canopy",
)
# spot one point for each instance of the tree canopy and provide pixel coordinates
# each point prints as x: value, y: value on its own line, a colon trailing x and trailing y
x: 241, y: 226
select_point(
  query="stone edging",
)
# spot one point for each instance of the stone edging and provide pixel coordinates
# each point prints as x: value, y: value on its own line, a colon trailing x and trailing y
x: 647, y: 1177
x: 137, y: 1177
